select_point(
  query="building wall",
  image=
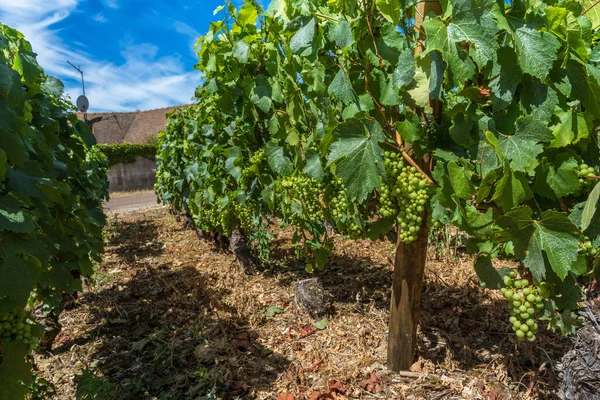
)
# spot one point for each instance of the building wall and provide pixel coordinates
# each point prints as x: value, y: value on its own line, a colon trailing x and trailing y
x: 139, y: 175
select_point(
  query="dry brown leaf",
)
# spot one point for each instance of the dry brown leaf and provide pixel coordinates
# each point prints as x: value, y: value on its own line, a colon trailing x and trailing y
x: 285, y: 396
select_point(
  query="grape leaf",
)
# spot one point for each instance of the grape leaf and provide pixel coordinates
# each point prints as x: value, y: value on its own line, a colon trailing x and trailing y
x: 340, y: 33
x: 390, y: 9
x: 506, y: 78
x: 277, y: 159
x: 471, y: 23
x: 489, y: 277
x: 241, y: 51
x: 584, y: 82
x: 553, y: 235
x: 28, y: 68
x: 233, y: 155
x: 3, y: 160
x: 341, y: 88
x: 536, y: 51
x: 11, y: 143
x: 321, y: 324
x: 460, y: 177
x: 405, y: 69
x: 14, y: 369
x: 302, y: 43
x: 570, y: 294
x: 379, y: 227
x: 538, y: 99
x: 313, y: 167
x: 271, y: 311
x: 12, y: 217
x: 436, y: 75
x: 592, y: 205
x: 572, y: 126
x: 360, y: 156
x: 524, y: 146
x: 262, y: 93
x: 247, y: 14
x: 512, y: 189
x: 563, y: 180
x: 410, y: 128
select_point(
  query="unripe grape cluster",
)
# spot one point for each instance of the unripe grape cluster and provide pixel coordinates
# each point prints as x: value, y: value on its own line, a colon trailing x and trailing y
x: 308, y: 193
x: 525, y: 301
x: 403, y: 196
x: 340, y: 208
x: 586, y: 170
x: 247, y: 173
x: 244, y: 215
x: 210, y: 217
x: 258, y: 157
x: 225, y: 222
x: 588, y: 248
x: 18, y: 326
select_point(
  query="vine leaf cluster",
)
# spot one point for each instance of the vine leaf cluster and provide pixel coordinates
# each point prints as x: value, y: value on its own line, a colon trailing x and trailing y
x: 324, y: 89
x: 52, y: 182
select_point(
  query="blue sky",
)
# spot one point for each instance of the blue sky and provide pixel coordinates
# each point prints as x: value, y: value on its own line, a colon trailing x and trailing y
x: 135, y: 54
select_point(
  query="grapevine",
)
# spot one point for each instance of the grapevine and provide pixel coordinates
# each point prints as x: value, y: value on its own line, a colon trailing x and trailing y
x: 52, y: 183
x: 491, y: 119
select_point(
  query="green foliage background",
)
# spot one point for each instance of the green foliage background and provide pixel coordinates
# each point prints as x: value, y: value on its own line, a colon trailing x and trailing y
x: 127, y: 152
x: 52, y: 182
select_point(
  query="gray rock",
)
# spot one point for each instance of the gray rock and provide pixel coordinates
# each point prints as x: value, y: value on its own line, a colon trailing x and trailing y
x: 311, y: 295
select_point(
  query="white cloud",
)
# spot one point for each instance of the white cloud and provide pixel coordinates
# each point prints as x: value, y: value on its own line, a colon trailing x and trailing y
x: 143, y: 80
x: 100, y: 18
x: 111, y: 3
x: 185, y: 29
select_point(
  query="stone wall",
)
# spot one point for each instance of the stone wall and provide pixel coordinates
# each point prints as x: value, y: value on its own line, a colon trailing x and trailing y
x: 135, y: 176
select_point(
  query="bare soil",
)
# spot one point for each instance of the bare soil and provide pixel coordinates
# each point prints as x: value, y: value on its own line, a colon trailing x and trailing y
x: 168, y: 317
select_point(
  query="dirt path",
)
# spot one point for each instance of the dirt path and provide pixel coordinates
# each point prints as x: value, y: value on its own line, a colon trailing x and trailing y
x: 129, y: 203
x: 169, y: 317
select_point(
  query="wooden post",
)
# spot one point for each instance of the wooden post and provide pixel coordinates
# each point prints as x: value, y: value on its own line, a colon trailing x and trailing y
x: 410, y: 261
x: 406, y: 301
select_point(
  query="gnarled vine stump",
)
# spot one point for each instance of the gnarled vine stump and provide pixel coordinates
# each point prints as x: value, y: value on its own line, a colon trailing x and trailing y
x: 579, y: 369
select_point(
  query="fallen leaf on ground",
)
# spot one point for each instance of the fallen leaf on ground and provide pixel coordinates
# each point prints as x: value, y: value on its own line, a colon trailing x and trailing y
x: 372, y: 385
x: 285, y: 396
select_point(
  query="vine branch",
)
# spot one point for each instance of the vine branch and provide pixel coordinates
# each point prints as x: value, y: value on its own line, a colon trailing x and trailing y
x: 326, y: 17
x: 409, y: 159
x: 563, y: 205
x: 590, y: 7
x: 369, y: 16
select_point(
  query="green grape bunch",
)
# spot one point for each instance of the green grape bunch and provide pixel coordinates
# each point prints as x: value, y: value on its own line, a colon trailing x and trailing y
x: 342, y: 212
x: 244, y: 215
x: 525, y: 301
x: 586, y: 184
x: 308, y: 192
x: 18, y: 325
x: 258, y: 157
x: 250, y: 171
x: 587, y: 248
x: 404, y: 196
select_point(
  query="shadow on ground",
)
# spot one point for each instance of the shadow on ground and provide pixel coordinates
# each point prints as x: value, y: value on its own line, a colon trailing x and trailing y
x: 165, y: 332
x: 460, y: 322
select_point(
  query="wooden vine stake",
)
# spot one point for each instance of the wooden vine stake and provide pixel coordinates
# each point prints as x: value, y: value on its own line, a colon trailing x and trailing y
x: 410, y: 260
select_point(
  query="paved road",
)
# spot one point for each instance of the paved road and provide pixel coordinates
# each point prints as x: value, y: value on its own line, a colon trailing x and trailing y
x: 135, y: 202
